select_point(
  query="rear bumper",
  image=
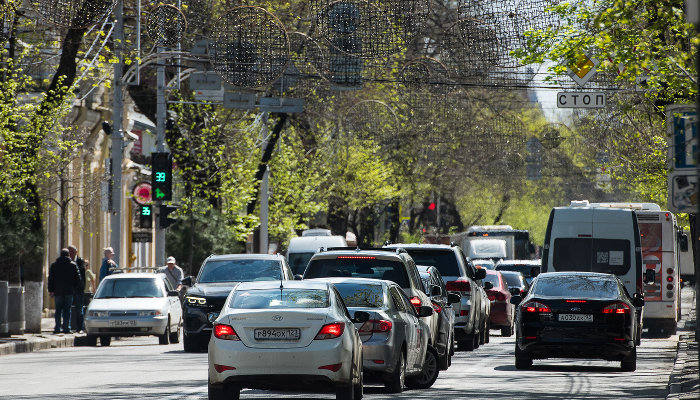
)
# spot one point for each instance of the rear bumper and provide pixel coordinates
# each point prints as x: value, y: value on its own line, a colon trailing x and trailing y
x: 378, y: 356
x: 281, y: 382
x: 605, y: 349
x: 501, y: 314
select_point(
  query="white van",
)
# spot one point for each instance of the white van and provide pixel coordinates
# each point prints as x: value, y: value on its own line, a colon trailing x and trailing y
x: 494, y: 249
x: 585, y: 237
x: 301, y: 249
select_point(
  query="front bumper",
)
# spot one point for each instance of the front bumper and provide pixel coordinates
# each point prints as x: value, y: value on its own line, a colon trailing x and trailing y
x: 127, y: 326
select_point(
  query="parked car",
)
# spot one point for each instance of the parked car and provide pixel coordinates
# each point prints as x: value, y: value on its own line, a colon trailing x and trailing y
x: 134, y: 304
x: 502, y: 311
x: 529, y: 268
x: 517, y: 284
x: 577, y: 315
x: 444, y: 313
x: 484, y: 263
x: 394, y: 341
x: 285, y: 335
x: 217, y: 276
x: 472, y: 313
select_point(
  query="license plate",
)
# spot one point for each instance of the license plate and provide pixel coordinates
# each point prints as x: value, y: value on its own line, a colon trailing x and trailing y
x: 575, y: 317
x: 277, y: 334
x: 122, y: 322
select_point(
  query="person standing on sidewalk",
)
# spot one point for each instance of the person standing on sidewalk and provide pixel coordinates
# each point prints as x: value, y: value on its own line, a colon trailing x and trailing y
x: 107, y: 263
x: 79, y: 295
x: 173, y: 272
x: 64, y: 279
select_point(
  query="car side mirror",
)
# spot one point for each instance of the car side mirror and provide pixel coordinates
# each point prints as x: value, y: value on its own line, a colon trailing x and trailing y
x: 480, y: 274
x: 360, y: 317
x: 298, y: 277
x: 435, y: 290
x: 683, y: 242
x: 638, y: 301
x: 514, y: 291
x: 425, y: 311
x: 534, y: 271
x: 488, y: 285
x: 516, y: 299
x: 453, y: 298
x: 173, y: 293
x: 187, y: 281
x: 649, y: 276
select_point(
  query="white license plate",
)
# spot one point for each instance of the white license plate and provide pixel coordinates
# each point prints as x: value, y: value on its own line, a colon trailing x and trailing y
x: 277, y: 334
x: 122, y: 322
x: 575, y: 317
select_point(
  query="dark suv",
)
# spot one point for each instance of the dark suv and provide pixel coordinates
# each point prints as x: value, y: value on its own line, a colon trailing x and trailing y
x: 218, y: 275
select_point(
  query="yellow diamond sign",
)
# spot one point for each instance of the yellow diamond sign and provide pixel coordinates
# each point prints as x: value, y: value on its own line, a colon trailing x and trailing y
x: 583, y: 69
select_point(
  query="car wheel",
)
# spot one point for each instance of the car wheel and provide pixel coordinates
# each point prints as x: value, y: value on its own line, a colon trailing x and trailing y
x: 105, y: 340
x: 522, y: 359
x: 444, y: 360
x: 91, y: 340
x: 223, y: 392
x: 482, y: 333
x: 428, y: 374
x: 395, y: 381
x: 466, y: 344
x: 175, y: 336
x: 452, y: 344
x: 476, y: 340
x: 190, y: 344
x: 488, y: 332
x: 345, y: 392
x: 359, y: 388
x: 507, y: 331
x: 629, y: 363
x: 165, y: 337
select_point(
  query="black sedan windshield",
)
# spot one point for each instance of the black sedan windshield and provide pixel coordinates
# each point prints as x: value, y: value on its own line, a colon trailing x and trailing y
x: 577, y: 286
x: 242, y: 270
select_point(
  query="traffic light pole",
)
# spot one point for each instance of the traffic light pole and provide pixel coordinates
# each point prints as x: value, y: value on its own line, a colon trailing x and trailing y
x: 117, y: 134
x: 161, y: 114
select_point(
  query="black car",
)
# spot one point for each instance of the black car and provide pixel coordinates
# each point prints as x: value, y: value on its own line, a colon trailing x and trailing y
x: 217, y: 276
x: 516, y: 280
x: 576, y: 315
x: 442, y: 305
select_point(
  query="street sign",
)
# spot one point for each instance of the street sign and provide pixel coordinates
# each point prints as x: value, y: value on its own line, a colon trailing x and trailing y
x: 141, y: 237
x: 583, y: 69
x: 142, y: 193
x: 238, y: 100
x: 210, y: 95
x: 205, y: 81
x: 683, y: 191
x: 581, y: 100
x: 683, y: 136
x: 281, y: 104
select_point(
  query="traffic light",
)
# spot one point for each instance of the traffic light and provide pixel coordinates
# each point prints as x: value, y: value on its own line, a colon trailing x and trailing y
x: 163, y: 220
x: 145, y: 217
x: 162, y: 176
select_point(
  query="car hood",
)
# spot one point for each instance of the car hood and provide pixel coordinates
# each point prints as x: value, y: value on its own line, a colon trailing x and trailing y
x: 218, y: 289
x: 133, y: 303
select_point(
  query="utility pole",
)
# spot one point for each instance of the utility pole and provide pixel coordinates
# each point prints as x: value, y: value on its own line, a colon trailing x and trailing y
x: 264, y: 194
x: 161, y: 117
x: 117, y: 132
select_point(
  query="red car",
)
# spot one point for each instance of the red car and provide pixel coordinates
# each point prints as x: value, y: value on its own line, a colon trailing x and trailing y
x: 502, y: 311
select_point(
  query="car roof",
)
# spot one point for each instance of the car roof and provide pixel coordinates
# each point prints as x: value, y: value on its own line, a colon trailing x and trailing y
x: 511, y: 273
x: 133, y: 275
x: 408, y: 246
x: 425, y: 268
x: 217, y: 257
x: 303, y: 284
x: 360, y: 252
x: 523, y: 262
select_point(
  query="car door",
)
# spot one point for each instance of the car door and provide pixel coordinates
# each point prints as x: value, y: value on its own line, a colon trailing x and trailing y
x: 409, y: 317
x: 175, y: 307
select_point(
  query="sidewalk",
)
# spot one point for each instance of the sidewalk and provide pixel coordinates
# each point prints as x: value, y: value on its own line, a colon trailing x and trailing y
x: 684, y: 382
x: 45, y: 340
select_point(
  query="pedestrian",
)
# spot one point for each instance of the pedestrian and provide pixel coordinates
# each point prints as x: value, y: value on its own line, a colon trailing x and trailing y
x: 107, y: 263
x: 173, y: 272
x: 79, y: 295
x: 90, y: 278
x: 64, y: 279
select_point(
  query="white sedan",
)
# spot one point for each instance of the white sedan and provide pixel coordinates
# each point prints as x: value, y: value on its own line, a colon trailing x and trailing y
x: 134, y: 304
x: 285, y: 335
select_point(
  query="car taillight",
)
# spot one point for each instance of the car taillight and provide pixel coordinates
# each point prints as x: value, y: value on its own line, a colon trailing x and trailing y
x: 376, y: 326
x: 461, y: 286
x: 225, y: 332
x: 535, y: 307
x: 617, y: 308
x: 330, y: 331
x: 495, y: 295
x: 415, y: 300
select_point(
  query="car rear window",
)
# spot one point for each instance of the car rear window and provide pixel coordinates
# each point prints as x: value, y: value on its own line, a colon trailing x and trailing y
x: 361, y: 295
x: 444, y: 261
x: 525, y: 269
x: 513, y: 280
x: 358, y: 267
x: 494, y: 281
x: 242, y: 270
x: 576, y: 286
x: 610, y: 256
x: 280, y: 298
x: 131, y: 287
x: 299, y: 261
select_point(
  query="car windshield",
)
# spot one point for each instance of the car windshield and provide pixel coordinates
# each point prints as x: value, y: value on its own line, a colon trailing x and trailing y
x: 575, y: 286
x: 610, y: 256
x: 361, y: 295
x: 240, y: 270
x: 358, y: 267
x: 280, y: 298
x: 299, y: 261
x: 485, y: 264
x: 494, y: 281
x: 132, y: 287
x: 513, y: 280
x: 444, y: 260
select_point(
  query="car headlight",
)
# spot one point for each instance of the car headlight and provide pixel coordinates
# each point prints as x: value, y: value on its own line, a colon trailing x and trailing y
x: 98, y: 314
x: 150, y: 313
x: 196, y: 301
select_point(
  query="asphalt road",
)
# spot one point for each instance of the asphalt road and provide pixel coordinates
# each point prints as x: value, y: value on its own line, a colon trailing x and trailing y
x: 139, y: 368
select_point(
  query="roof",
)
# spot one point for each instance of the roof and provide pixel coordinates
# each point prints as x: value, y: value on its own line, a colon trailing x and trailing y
x: 132, y: 275
x: 520, y: 262
x: 419, y: 246
x: 304, y: 284
x: 359, y: 281
x: 245, y: 257
x: 386, y: 254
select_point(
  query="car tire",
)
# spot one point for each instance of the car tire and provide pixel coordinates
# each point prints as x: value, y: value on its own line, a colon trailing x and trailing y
x: 345, y: 392
x: 429, y: 374
x: 395, y: 381
x: 452, y: 344
x: 507, y: 331
x: 476, y: 340
x: 175, y: 336
x: 223, y: 392
x: 522, y: 359
x: 359, y: 387
x: 444, y: 360
x: 488, y: 332
x: 482, y: 333
x: 165, y: 337
x: 91, y: 340
x: 105, y: 340
x: 190, y: 345
x: 629, y: 363
x: 466, y: 344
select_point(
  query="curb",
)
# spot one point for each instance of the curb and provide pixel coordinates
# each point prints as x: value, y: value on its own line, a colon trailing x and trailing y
x: 39, y: 342
x: 684, y: 381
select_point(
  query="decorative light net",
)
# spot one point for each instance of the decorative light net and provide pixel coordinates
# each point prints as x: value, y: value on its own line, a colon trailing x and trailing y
x: 166, y: 25
x: 74, y: 13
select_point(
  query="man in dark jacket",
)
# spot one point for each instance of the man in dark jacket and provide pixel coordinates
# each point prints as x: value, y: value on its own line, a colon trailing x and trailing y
x: 64, y: 279
x: 79, y: 295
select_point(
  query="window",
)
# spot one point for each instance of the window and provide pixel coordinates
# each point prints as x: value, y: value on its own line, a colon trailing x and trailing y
x: 444, y: 260
x: 574, y: 286
x: 130, y: 287
x: 611, y: 256
x: 241, y: 270
x: 299, y: 261
x: 280, y: 298
x: 494, y: 281
x: 361, y: 295
x: 397, y: 300
x: 358, y: 268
